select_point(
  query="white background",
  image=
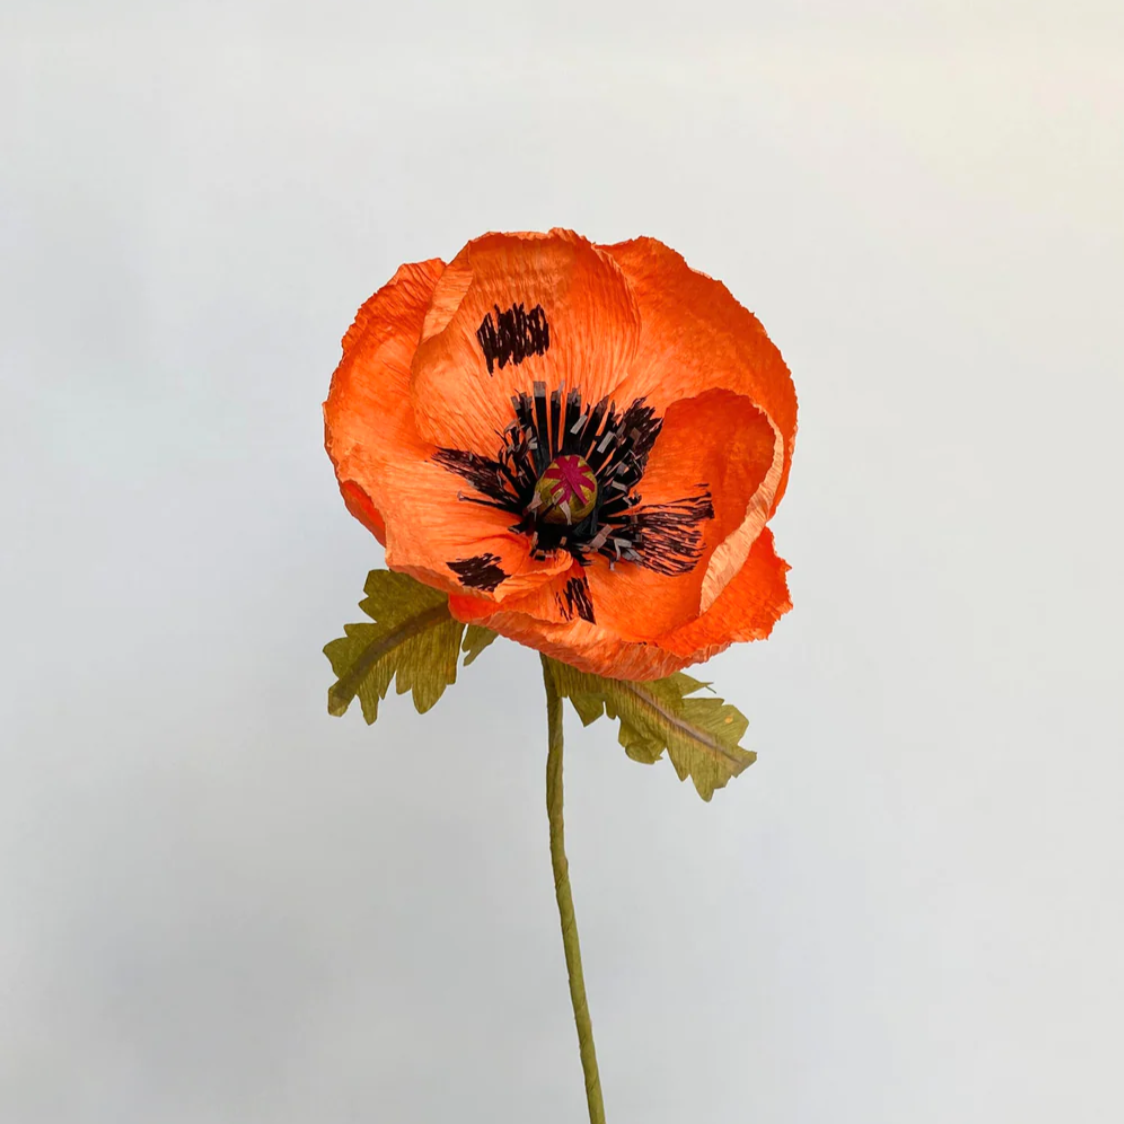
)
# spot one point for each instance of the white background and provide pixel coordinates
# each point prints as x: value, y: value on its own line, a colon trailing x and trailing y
x: 219, y: 905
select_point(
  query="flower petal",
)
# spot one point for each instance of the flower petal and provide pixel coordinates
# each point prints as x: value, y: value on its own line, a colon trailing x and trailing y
x: 696, y: 336
x: 360, y: 505
x: 746, y: 609
x: 551, y: 308
x: 751, y: 603
x: 386, y: 473
x: 718, y: 443
x: 372, y: 378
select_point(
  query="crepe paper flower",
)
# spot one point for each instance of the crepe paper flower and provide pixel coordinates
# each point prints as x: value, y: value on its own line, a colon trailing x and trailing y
x: 577, y: 447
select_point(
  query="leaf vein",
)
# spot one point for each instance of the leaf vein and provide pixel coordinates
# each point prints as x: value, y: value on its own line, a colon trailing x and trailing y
x: 677, y: 722
x: 346, y: 688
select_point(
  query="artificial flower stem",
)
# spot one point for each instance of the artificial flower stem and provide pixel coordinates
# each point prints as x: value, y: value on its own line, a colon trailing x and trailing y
x: 566, y: 901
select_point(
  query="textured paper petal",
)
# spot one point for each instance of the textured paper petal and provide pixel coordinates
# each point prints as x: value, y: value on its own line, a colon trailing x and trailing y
x: 718, y: 443
x: 365, y: 412
x: 590, y: 337
x: 696, y: 336
x: 746, y: 609
x: 385, y: 468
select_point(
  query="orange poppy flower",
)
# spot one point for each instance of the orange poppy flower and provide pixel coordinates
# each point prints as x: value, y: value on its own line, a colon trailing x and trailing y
x: 580, y: 444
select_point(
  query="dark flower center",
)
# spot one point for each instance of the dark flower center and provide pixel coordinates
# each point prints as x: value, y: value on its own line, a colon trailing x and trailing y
x: 568, y: 473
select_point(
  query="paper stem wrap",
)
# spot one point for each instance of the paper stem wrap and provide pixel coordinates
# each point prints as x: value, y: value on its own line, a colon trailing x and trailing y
x: 565, y: 899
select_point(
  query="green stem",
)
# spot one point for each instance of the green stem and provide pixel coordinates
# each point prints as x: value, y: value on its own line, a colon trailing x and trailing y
x: 566, y: 901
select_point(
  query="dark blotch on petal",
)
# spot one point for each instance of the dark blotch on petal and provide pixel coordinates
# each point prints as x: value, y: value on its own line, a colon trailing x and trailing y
x: 513, y: 335
x: 575, y: 598
x: 479, y: 572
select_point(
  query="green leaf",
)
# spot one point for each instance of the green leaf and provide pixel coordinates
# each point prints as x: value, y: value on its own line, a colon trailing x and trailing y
x: 701, y: 735
x: 476, y: 639
x: 414, y: 638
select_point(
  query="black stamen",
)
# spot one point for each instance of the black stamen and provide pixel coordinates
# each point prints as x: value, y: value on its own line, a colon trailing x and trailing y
x: 485, y: 475
x: 555, y: 415
x: 589, y: 434
x: 666, y: 538
x: 569, y: 421
x: 663, y: 537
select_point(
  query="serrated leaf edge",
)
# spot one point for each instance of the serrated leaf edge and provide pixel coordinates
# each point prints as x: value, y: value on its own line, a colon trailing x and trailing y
x: 603, y: 695
x: 471, y: 648
x: 342, y: 693
x: 694, y: 732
